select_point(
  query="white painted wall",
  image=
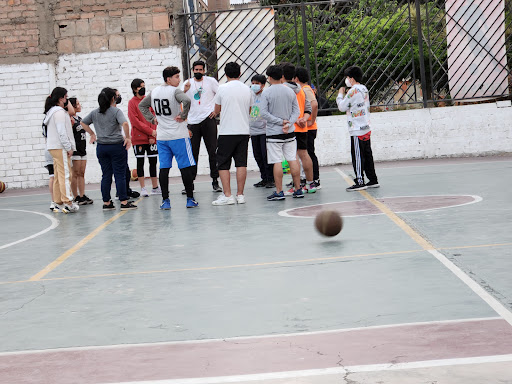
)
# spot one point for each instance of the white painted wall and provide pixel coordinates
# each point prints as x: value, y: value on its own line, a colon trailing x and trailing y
x: 421, y: 133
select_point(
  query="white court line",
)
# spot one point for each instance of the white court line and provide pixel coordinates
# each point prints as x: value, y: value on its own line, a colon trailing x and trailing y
x: 54, y: 224
x: 473, y: 285
x: 333, y: 371
x: 248, y: 338
x: 476, y: 199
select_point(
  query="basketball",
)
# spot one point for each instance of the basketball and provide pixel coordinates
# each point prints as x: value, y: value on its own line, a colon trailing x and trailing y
x: 329, y: 223
x: 2, y: 186
x: 134, y: 176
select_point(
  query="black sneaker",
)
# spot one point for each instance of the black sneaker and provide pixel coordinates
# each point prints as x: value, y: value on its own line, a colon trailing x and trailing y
x: 215, y: 185
x: 133, y: 194
x: 270, y: 184
x: 356, y: 187
x: 87, y: 200
x: 290, y: 184
x: 373, y: 184
x: 129, y: 205
x: 317, y: 184
x: 78, y: 200
x: 109, y: 206
x: 260, y: 184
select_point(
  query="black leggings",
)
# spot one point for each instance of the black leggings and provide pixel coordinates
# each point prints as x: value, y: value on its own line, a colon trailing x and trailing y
x: 152, y: 166
x: 187, y: 175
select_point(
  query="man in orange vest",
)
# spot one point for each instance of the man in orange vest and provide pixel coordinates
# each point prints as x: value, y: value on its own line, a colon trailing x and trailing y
x: 302, y: 79
x: 301, y: 129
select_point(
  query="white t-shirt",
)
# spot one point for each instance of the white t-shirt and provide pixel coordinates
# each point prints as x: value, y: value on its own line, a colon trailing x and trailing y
x: 202, y: 94
x: 235, y: 99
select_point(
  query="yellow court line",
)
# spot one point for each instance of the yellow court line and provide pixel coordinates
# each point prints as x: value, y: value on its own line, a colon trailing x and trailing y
x: 59, y: 260
x: 424, y: 244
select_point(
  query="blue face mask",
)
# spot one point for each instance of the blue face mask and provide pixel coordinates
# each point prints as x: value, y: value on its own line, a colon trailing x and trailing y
x: 255, y: 88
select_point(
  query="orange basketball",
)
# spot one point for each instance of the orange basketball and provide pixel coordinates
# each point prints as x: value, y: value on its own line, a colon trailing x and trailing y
x: 2, y: 186
x: 329, y: 223
x: 134, y: 176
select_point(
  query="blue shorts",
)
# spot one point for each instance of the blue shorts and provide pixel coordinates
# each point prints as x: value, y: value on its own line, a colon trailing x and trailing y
x: 180, y: 148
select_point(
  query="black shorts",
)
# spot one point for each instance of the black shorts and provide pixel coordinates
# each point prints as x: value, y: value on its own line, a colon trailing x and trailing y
x: 150, y: 149
x: 232, y: 146
x: 302, y: 140
x: 49, y: 167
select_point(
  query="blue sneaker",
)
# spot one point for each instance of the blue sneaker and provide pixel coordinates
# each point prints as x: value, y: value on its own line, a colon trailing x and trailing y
x: 191, y: 203
x: 166, y: 204
x: 276, y: 196
x: 298, y: 193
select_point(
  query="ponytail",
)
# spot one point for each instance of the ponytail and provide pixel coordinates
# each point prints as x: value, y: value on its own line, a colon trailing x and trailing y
x: 105, y: 98
x: 53, y: 99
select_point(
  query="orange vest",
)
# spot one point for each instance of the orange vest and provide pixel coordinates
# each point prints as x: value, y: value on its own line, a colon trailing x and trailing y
x: 301, y: 98
x: 314, y: 126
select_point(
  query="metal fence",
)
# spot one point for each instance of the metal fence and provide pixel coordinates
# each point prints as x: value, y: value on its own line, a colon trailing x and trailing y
x: 413, y: 52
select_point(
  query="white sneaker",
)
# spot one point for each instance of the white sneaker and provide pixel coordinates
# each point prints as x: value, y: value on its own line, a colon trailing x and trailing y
x: 156, y: 191
x: 223, y: 200
x: 70, y: 208
x: 52, y: 206
x: 144, y: 192
x: 240, y: 199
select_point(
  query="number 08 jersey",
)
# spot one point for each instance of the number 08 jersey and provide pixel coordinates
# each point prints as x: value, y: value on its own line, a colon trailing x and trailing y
x: 166, y: 106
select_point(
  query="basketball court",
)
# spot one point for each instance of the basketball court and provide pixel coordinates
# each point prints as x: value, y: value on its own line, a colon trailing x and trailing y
x: 415, y: 289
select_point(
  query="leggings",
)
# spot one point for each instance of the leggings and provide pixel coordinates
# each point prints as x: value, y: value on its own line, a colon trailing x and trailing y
x: 152, y: 166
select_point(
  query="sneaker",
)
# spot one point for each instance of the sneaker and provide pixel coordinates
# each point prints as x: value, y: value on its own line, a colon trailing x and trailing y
x: 223, y: 200
x: 290, y: 184
x: 317, y: 184
x: 240, y: 199
x: 276, y: 196
x: 289, y: 192
x: 109, y: 206
x: 129, y: 205
x: 311, y: 188
x: 117, y: 196
x: 302, y: 181
x: 184, y: 192
x: 260, y: 184
x: 87, y: 200
x: 69, y: 208
x: 57, y: 208
x: 53, y: 206
x: 215, y: 185
x: 133, y: 194
x: 298, y: 194
x: 356, y: 187
x: 77, y: 200
x: 373, y: 184
x: 144, y: 192
x: 270, y: 184
x: 191, y: 202
x: 166, y: 204
x: 156, y: 191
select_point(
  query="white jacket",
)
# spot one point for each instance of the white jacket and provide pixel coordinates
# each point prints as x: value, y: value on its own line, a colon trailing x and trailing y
x: 357, y: 105
x: 59, y: 133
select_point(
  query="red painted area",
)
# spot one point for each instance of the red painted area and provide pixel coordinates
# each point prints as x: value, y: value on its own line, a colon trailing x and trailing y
x: 260, y: 355
x: 396, y: 204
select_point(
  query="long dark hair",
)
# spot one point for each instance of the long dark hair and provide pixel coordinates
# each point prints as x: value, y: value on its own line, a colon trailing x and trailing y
x: 53, y: 99
x: 105, y: 98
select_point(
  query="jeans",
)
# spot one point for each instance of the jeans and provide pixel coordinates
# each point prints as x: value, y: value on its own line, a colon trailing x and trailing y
x: 113, y: 159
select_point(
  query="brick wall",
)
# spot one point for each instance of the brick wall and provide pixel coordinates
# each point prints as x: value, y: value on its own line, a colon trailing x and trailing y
x: 36, y: 28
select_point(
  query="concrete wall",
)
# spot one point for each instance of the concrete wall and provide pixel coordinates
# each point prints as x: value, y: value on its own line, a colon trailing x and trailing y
x: 423, y: 133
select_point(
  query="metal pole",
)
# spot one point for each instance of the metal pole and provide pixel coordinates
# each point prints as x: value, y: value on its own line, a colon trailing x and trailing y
x: 305, y: 35
x: 422, y: 58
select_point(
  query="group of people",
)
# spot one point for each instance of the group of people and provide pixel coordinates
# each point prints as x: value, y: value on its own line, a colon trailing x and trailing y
x: 170, y: 121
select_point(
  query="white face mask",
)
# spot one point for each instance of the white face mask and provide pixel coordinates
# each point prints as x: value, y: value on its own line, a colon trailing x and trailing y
x: 255, y: 88
x: 347, y: 82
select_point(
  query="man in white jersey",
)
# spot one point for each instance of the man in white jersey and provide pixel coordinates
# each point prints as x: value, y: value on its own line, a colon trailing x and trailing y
x: 233, y: 101
x: 172, y: 133
x: 201, y: 91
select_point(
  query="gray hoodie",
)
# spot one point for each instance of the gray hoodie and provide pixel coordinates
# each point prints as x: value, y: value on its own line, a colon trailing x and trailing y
x: 278, y: 103
x: 296, y: 88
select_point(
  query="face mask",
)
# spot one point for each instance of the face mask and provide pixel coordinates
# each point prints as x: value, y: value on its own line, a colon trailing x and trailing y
x: 142, y: 91
x: 198, y: 75
x: 119, y: 99
x: 66, y: 103
x: 255, y: 88
x: 347, y: 82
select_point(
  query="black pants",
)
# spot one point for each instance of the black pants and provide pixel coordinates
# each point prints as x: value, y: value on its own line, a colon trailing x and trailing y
x: 152, y: 166
x: 362, y: 160
x: 312, y: 154
x: 186, y: 177
x: 207, y: 129
x: 259, y: 150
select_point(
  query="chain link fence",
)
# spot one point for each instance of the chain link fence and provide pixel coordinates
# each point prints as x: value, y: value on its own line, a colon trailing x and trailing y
x: 413, y: 52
